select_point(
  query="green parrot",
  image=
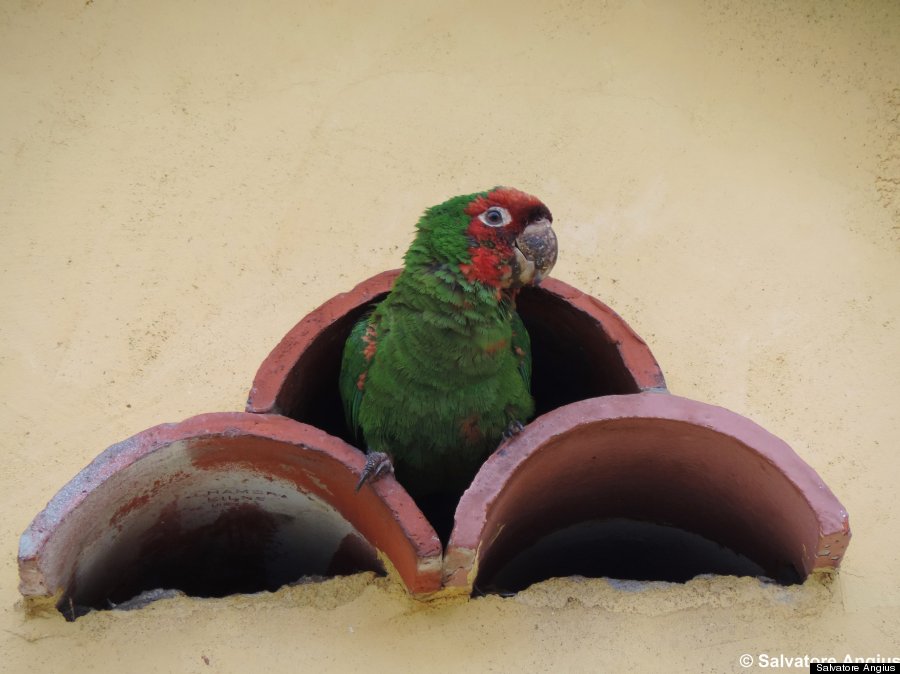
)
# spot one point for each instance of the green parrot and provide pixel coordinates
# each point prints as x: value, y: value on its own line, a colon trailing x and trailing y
x: 438, y: 373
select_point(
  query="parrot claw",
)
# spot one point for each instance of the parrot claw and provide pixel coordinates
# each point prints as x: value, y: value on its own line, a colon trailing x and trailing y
x: 378, y: 464
x: 515, y: 427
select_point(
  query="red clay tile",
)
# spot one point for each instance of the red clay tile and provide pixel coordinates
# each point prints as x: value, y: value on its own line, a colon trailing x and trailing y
x: 654, y: 458
x: 581, y: 348
x: 221, y: 503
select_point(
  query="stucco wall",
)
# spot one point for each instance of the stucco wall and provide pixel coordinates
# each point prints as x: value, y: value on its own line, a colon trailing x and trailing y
x: 181, y: 181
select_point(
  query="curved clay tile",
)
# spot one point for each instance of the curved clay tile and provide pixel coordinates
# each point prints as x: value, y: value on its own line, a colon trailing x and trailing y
x: 581, y: 348
x: 220, y: 503
x: 651, y: 458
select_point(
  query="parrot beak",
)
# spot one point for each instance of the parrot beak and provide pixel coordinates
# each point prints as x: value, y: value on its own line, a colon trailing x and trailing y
x: 535, y: 251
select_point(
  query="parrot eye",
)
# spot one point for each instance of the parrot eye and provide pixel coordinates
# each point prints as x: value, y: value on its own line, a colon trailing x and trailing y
x: 495, y: 217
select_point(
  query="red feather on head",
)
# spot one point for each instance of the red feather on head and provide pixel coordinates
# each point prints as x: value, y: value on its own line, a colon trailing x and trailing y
x: 491, y: 248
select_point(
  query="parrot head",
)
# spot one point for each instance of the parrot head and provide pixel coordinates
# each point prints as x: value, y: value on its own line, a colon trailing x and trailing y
x: 501, y: 238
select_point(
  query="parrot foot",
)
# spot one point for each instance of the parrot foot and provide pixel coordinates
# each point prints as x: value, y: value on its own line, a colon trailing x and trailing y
x: 515, y: 427
x: 378, y: 464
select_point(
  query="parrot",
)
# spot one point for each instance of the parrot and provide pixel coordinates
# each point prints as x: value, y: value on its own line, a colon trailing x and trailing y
x: 437, y: 374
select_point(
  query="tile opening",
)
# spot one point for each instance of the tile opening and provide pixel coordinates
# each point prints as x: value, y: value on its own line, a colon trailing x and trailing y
x: 622, y: 549
x: 242, y: 549
x: 573, y: 358
x: 219, y: 504
x: 643, y: 487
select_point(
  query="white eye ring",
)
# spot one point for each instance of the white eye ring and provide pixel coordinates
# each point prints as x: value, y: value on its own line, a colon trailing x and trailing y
x: 496, y: 216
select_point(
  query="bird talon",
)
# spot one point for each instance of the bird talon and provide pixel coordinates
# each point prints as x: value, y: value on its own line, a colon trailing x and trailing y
x: 515, y: 427
x: 378, y: 464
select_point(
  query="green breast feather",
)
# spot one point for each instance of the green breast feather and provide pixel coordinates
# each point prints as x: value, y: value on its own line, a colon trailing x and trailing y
x: 435, y: 391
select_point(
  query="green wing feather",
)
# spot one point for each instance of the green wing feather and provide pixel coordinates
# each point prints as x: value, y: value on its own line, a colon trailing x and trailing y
x: 521, y: 346
x: 354, y: 368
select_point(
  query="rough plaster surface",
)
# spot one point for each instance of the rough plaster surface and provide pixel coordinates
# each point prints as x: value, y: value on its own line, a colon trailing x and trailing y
x: 180, y: 182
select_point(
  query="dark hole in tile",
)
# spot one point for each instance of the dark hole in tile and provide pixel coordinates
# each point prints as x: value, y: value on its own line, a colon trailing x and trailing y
x: 622, y: 549
x: 244, y: 550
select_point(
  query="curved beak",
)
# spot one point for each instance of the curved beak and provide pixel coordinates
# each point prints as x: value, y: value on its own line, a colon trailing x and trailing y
x: 535, y: 251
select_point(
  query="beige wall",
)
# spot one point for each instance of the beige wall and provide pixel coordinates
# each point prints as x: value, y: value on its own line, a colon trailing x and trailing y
x: 181, y: 181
